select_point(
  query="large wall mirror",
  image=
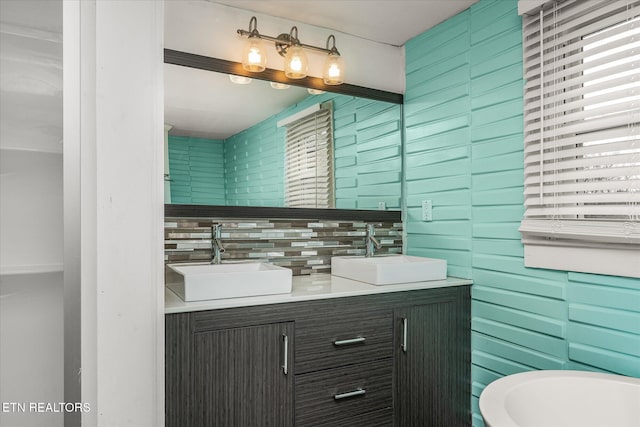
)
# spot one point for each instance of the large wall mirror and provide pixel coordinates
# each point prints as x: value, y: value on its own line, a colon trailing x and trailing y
x: 227, y: 143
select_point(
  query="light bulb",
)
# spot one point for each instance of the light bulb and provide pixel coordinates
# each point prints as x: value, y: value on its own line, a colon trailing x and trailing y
x: 254, y: 58
x: 296, y: 64
x: 333, y: 72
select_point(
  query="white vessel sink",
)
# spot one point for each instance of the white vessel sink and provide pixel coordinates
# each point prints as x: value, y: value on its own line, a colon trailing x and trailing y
x: 197, y: 282
x: 389, y: 269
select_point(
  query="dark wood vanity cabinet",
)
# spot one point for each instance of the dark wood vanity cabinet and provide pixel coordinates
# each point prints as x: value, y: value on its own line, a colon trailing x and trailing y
x: 394, y: 359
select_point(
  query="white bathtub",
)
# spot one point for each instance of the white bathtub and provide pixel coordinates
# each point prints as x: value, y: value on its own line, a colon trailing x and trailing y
x: 561, y: 399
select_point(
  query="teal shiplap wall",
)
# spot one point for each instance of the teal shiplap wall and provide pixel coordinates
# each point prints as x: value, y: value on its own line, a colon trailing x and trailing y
x: 368, y: 153
x: 438, y: 150
x: 254, y: 166
x: 367, y: 156
x: 196, y: 170
x: 464, y: 151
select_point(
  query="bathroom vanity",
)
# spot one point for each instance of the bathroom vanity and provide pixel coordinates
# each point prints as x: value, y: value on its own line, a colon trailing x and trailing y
x: 333, y: 352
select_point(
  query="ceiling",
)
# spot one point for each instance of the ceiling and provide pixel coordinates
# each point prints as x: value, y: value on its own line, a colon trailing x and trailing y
x: 197, y: 103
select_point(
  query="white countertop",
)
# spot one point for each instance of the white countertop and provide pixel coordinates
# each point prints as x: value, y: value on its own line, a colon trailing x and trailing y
x: 305, y: 288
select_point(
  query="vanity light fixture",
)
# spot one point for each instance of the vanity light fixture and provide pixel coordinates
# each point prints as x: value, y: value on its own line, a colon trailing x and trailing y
x: 289, y: 46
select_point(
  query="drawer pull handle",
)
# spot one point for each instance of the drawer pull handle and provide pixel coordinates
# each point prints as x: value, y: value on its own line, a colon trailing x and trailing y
x: 358, y: 392
x: 405, y: 326
x: 351, y: 341
x: 285, y: 365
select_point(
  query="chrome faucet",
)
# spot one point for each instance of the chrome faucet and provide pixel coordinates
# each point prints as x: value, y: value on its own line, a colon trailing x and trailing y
x: 216, y: 245
x: 372, y: 242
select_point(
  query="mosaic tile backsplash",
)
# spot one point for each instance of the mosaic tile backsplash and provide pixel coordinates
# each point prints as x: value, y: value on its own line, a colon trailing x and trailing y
x: 304, y: 246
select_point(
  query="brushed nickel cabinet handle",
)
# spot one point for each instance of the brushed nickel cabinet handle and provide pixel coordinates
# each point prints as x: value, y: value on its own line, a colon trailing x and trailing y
x: 358, y: 340
x: 285, y: 364
x: 358, y: 392
x: 405, y: 326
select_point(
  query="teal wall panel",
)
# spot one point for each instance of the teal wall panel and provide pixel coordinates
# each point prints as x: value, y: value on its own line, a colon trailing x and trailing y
x: 196, y: 170
x: 464, y: 151
x: 438, y: 153
x: 254, y: 166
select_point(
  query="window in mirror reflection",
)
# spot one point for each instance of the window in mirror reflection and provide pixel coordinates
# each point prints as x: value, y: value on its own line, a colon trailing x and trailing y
x: 309, y: 158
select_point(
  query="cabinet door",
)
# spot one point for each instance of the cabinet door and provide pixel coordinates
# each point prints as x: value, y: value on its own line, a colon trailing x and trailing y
x: 243, y: 377
x: 429, y: 358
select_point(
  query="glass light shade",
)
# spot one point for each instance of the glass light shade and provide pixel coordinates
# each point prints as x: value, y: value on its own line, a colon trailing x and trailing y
x: 296, y: 64
x: 279, y: 86
x: 333, y: 72
x: 239, y: 80
x: 254, y: 57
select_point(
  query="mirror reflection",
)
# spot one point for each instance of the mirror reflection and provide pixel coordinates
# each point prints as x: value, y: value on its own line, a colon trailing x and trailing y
x: 254, y: 145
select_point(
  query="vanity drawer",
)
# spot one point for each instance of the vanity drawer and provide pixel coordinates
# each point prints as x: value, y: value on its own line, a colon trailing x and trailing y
x: 358, y: 395
x: 352, y: 337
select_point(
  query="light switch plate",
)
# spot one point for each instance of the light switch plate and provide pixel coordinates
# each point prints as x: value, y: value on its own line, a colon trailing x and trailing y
x: 427, y: 210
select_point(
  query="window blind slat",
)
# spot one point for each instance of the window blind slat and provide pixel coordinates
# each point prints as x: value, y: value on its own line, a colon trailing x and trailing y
x: 599, y: 210
x: 585, y: 126
x: 584, y: 163
x: 532, y: 139
x: 532, y: 176
x: 574, y: 186
x: 628, y: 146
x: 601, y: 231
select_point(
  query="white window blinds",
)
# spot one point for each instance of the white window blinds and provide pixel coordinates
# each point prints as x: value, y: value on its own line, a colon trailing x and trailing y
x: 582, y: 136
x: 309, y: 160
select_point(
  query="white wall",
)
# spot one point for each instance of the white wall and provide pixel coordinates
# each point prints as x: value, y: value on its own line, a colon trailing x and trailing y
x: 209, y: 29
x: 114, y: 125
